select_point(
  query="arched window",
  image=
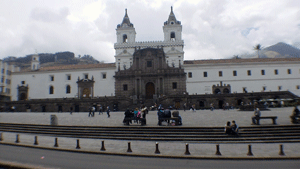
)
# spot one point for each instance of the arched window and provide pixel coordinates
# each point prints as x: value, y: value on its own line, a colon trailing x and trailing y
x: 172, y: 36
x: 51, y: 90
x: 68, y: 89
x: 125, y: 38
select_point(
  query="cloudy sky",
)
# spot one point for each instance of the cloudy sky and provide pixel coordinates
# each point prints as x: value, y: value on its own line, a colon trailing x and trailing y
x: 212, y: 29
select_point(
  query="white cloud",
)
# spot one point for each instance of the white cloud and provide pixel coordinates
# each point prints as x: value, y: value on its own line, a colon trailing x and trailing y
x: 211, y: 28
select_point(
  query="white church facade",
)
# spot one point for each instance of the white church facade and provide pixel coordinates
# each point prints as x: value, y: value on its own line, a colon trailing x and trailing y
x: 200, y: 76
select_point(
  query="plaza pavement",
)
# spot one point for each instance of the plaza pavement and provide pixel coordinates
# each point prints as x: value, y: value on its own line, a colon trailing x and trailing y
x: 199, y: 118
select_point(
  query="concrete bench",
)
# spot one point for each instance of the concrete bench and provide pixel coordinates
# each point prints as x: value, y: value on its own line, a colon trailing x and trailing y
x: 170, y: 119
x: 266, y: 117
x: 127, y: 121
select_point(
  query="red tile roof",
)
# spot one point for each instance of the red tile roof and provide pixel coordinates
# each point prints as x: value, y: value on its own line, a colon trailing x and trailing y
x: 72, y: 67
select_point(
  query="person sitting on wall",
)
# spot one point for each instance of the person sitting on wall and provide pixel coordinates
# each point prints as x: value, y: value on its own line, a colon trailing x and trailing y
x: 296, y: 115
x: 234, y: 128
x: 256, y: 115
x: 227, y: 128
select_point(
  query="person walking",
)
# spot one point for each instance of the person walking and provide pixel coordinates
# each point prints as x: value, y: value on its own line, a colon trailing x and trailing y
x: 90, y: 112
x: 100, y: 109
x: 71, y: 110
x: 184, y: 106
x: 108, y: 111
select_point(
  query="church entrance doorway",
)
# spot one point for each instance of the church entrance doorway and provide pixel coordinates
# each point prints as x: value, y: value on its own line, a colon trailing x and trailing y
x: 150, y: 90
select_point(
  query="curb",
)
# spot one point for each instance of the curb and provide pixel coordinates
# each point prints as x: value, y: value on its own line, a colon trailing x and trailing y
x: 155, y: 156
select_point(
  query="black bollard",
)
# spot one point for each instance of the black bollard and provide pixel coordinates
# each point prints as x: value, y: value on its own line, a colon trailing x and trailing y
x: 187, y: 152
x: 17, y: 138
x: 36, y: 140
x: 249, y: 150
x: 77, y: 146
x: 102, y: 146
x: 129, y: 148
x: 1, y: 137
x: 55, y: 142
x: 281, y: 150
x: 157, y: 150
x: 218, y: 150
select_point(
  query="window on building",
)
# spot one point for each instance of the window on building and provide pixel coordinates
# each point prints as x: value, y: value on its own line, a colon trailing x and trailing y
x: 262, y: 72
x: 51, y: 78
x: 68, y: 89
x: 279, y: 88
x: 190, y: 75
x: 249, y: 72
x: 289, y: 71
x: 68, y: 77
x: 234, y: 73
x: 103, y: 75
x: 2, y: 79
x: 264, y: 88
x: 22, y: 82
x: 8, y: 72
x: 220, y: 73
x: 174, y: 85
x: 172, y: 36
x: 245, y: 90
x: 51, y: 90
x: 125, y: 38
x: 298, y: 87
x: 125, y: 87
x: 204, y: 74
x: 7, y: 81
x: 7, y: 90
x: 86, y: 76
x: 276, y: 71
x: 149, y: 63
x: 3, y: 70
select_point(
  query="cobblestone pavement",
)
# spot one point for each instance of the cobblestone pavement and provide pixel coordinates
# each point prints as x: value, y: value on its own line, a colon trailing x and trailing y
x: 216, y: 118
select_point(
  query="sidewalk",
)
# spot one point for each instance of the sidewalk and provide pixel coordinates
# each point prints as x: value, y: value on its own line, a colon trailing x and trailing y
x: 148, y: 148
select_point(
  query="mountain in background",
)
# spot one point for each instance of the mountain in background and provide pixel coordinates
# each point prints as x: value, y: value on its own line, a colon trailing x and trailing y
x: 279, y: 50
x: 49, y: 59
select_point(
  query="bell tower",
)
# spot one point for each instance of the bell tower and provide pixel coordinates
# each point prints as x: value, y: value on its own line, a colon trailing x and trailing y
x: 172, y: 36
x: 172, y: 28
x: 124, y: 47
x: 35, y: 62
x: 125, y: 31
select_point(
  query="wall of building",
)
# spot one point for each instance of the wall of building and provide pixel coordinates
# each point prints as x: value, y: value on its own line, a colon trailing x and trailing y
x: 256, y: 82
x: 39, y: 83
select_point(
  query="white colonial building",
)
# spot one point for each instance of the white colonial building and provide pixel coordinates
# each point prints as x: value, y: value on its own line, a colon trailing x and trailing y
x: 97, y: 80
x: 6, y: 70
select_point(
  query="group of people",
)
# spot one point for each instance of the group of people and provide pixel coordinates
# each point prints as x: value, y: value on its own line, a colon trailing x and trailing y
x: 231, y: 128
x: 166, y: 113
x: 136, y: 114
x: 92, y: 110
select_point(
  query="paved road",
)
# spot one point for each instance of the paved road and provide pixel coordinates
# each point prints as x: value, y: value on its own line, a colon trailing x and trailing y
x: 59, y: 159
